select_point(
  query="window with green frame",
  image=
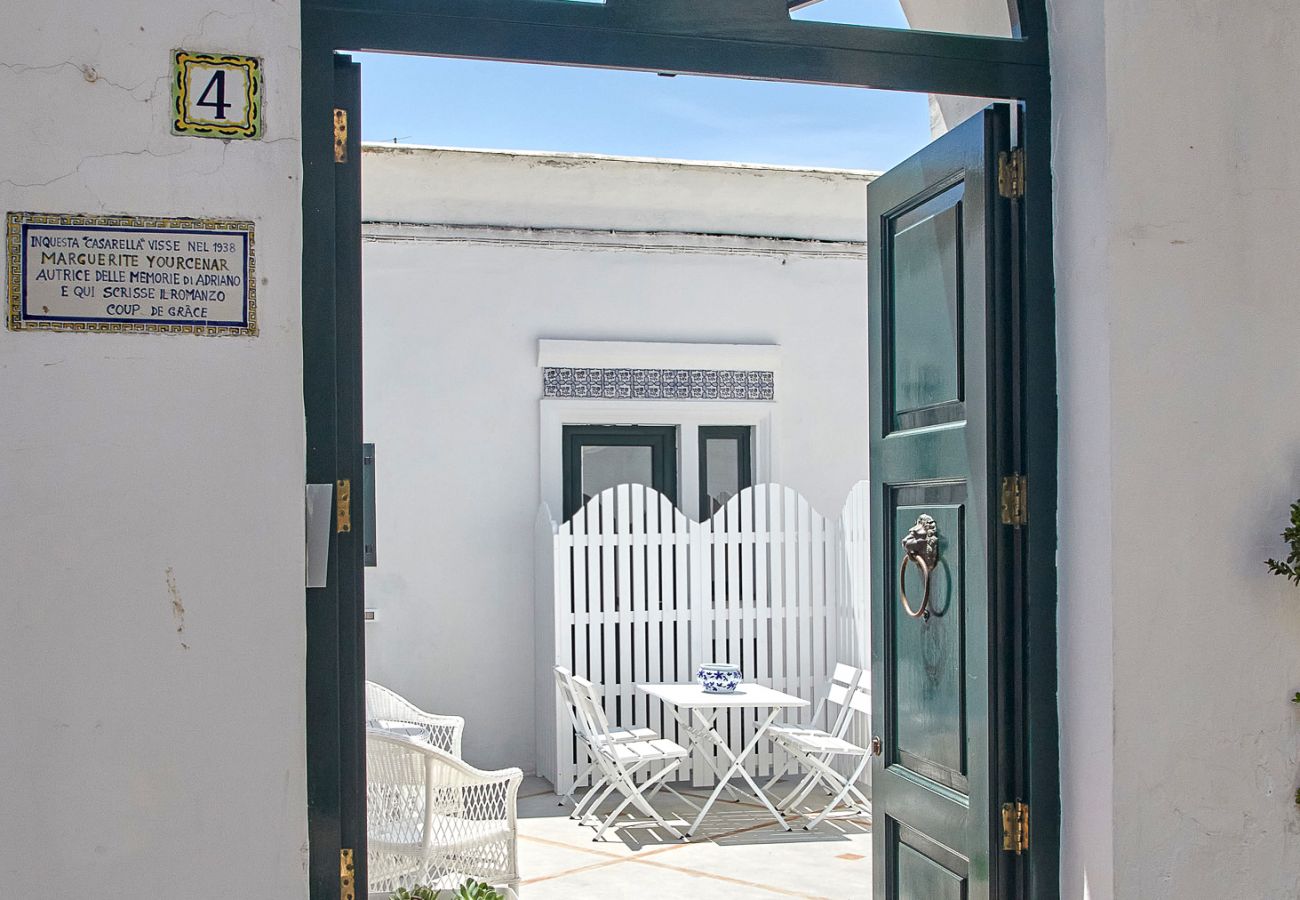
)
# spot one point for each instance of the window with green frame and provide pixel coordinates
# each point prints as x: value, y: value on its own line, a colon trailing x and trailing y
x: 597, y: 457
x: 726, y: 465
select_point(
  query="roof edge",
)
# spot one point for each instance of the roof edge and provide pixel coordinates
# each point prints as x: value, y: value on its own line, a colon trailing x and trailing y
x: 379, y: 147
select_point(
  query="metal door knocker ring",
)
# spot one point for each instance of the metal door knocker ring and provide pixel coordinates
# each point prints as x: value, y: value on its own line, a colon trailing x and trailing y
x: 920, y: 546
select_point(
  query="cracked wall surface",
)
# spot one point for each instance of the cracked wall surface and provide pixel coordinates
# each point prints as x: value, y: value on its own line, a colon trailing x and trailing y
x: 140, y: 759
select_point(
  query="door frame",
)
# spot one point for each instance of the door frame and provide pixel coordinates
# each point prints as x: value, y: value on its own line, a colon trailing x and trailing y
x: 752, y: 39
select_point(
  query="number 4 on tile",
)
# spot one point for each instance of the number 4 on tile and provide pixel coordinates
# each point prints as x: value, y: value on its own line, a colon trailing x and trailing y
x: 217, y: 95
x: 218, y: 102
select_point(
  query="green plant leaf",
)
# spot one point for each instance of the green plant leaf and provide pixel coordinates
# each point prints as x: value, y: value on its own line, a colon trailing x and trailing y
x: 1290, y: 568
x: 419, y: 892
x: 477, y: 890
x: 470, y: 890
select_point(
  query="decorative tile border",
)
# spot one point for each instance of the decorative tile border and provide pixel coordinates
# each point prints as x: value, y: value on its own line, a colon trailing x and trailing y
x: 76, y: 227
x: 658, y: 384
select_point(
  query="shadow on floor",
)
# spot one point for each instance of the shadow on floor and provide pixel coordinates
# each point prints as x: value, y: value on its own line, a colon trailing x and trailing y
x: 739, y: 851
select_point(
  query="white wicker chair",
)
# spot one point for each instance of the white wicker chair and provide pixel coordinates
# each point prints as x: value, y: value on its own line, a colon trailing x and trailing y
x: 389, y: 711
x: 434, y: 820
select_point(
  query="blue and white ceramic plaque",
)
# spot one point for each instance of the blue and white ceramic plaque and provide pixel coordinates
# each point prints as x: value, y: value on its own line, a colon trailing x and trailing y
x: 718, y: 678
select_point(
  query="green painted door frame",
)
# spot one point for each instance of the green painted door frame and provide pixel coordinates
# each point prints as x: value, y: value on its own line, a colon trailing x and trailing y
x: 730, y: 38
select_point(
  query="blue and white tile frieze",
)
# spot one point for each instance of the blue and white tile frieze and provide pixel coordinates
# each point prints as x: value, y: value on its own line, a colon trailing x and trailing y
x: 658, y: 384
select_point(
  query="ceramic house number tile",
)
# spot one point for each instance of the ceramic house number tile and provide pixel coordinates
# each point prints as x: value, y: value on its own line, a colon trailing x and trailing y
x: 216, y: 95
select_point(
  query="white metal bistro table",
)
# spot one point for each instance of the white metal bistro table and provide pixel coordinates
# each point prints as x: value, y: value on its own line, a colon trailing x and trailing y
x: 704, y: 708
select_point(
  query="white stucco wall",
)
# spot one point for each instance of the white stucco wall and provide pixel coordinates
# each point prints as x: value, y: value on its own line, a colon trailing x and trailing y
x: 144, y: 474
x: 131, y: 765
x: 1178, y: 176
x: 573, y: 190
x: 452, y: 384
x: 1086, y: 604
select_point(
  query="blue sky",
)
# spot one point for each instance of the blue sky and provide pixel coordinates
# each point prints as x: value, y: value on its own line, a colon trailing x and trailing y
x: 464, y: 103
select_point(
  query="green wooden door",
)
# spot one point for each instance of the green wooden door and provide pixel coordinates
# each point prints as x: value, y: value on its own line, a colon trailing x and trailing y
x: 939, y: 255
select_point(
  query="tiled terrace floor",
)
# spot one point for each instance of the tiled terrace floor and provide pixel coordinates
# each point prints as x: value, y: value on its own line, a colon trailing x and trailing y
x: 739, y: 853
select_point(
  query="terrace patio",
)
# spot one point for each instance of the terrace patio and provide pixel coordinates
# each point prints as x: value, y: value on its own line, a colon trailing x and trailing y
x: 435, y: 820
x: 745, y: 541
x: 738, y: 853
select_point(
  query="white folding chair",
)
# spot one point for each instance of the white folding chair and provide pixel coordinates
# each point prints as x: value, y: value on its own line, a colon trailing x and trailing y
x: 620, y: 762
x: 815, y: 748
x: 622, y: 736
x: 843, y: 680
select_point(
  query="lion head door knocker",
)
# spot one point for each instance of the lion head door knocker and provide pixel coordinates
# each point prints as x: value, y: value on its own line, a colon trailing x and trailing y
x: 921, y: 548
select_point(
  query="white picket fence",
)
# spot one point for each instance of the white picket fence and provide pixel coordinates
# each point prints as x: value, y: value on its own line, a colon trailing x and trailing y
x: 631, y: 591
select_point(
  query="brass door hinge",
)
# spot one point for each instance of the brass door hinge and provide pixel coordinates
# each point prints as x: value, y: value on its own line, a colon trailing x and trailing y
x: 347, y: 875
x: 340, y: 135
x: 1011, y: 173
x: 344, y: 519
x: 1015, y: 500
x: 1015, y: 827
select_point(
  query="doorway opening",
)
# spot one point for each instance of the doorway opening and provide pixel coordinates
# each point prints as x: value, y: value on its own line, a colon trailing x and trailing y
x: 912, y: 857
x: 647, y: 321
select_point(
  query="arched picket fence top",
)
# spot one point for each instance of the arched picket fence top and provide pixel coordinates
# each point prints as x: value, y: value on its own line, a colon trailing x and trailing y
x: 545, y: 519
x: 858, y: 494
x: 633, y: 591
x: 621, y: 507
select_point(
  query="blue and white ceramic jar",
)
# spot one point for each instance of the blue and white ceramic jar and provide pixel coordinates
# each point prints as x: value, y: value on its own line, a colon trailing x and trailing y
x: 718, y: 678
